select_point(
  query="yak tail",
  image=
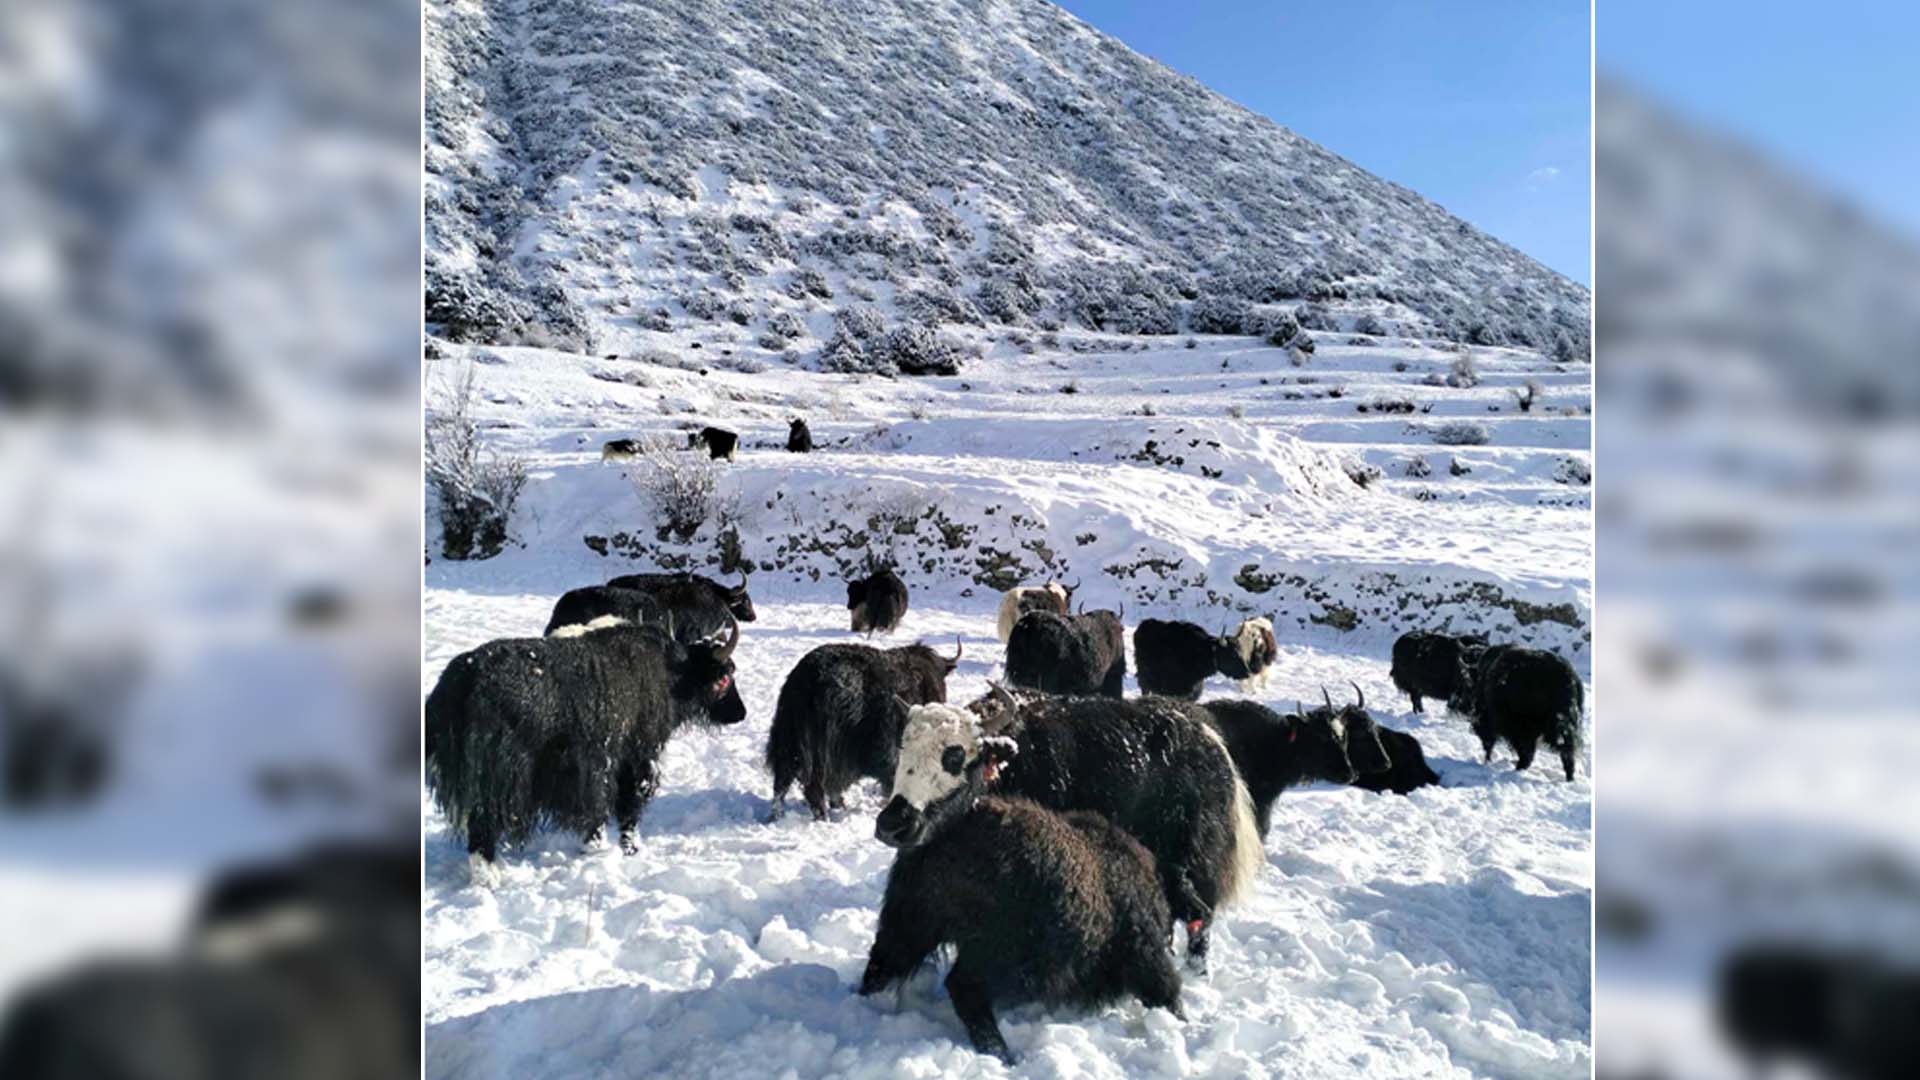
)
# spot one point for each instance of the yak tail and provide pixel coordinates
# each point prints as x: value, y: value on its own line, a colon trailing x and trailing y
x: 1248, y: 853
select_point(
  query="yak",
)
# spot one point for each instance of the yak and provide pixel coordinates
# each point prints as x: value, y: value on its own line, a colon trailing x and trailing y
x: 1273, y: 752
x: 620, y: 450
x: 1068, y: 654
x: 1384, y: 759
x: 799, y: 439
x: 579, y: 608
x: 701, y: 607
x: 1251, y: 651
x: 1015, y: 602
x: 1175, y: 659
x: 1525, y: 696
x: 566, y: 730
x: 1189, y: 807
x: 877, y: 602
x: 840, y: 715
x: 1426, y: 663
x: 1842, y: 1010
x: 1061, y: 908
x: 720, y: 443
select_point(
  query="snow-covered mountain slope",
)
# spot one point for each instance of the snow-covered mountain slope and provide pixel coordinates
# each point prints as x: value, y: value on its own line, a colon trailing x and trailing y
x: 600, y: 173
x: 1443, y: 934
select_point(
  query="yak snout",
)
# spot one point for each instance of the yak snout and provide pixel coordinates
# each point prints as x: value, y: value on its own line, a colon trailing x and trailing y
x: 899, y: 824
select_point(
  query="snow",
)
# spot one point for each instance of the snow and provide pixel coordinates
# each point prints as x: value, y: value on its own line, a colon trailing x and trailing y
x: 1441, y: 934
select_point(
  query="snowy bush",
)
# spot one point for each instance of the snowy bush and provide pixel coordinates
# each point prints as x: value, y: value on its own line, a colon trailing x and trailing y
x: 859, y: 322
x: 786, y: 325
x: 1312, y: 317
x: 1280, y: 329
x: 1572, y: 470
x: 1300, y: 350
x: 1464, y: 371
x: 919, y: 350
x: 475, y: 489
x: 681, y: 487
x: 1220, y: 313
x: 1370, y: 324
x: 807, y: 281
x: 1460, y: 433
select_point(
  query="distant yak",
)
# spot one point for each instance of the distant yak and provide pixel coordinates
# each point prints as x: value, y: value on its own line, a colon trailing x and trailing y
x: 620, y: 450
x: 720, y: 443
x: 799, y: 439
x: 877, y: 602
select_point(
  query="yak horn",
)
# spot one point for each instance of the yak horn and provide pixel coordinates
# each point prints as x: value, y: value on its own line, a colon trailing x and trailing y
x: 1327, y: 697
x: 905, y: 705
x: 1000, y: 693
x: 959, y: 648
x: 1358, y: 693
x: 733, y: 638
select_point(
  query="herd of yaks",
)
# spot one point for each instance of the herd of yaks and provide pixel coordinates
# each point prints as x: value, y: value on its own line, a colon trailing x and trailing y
x: 1053, y: 831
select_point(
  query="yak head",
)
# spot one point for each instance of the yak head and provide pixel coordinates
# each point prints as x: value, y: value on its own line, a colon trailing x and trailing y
x: 1244, y: 651
x: 739, y: 605
x: 947, y: 761
x: 857, y: 603
x: 1317, y: 741
x: 703, y: 684
x: 1354, y: 729
x: 1465, y: 698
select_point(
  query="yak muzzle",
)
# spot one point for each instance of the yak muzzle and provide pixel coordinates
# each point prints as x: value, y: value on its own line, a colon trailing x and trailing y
x: 900, y: 825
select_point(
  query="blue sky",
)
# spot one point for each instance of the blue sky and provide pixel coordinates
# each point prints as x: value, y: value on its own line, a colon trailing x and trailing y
x: 1482, y: 106
x: 1832, y: 92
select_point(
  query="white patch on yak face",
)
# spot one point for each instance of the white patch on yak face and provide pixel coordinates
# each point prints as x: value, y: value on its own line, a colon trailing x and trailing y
x: 937, y: 736
x: 1339, y: 727
x: 581, y: 629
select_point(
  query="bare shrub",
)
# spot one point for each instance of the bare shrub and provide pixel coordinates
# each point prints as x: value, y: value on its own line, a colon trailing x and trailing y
x: 1524, y: 397
x: 1460, y: 433
x: 475, y: 488
x: 681, y: 488
x: 1464, y: 372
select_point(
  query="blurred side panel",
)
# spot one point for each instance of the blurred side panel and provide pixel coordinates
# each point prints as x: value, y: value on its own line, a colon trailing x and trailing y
x: 209, y: 536
x: 1758, y: 367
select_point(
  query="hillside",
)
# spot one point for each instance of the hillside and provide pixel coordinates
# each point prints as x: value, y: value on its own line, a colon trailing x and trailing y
x: 598, y: 174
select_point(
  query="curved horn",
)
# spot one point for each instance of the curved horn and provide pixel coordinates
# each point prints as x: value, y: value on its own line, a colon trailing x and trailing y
x: 1358, y: 692
x: 1000, y: 693
x: 905, y: 705
x: 1123, y: 610
x: 1073, y: 588
x: 733, y: 638
x: 1328, y: 698
x: 959, y: 649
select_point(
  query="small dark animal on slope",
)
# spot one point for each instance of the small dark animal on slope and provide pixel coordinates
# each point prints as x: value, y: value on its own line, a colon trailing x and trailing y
x: 1427, y: 663
x: 877, y: 602
x: 840, y: 715
x: 1525, y: 696
x: 566, y: 729
x: 1068, y: 654
x: 1188, y: 807
x: 720, y: 443
x: 620, y: 450
x: 1064, y: 909
x: 799, y: 439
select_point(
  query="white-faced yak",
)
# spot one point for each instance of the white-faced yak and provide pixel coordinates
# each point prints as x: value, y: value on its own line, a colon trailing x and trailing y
x: 1175, y: 659
x: 840, y: 716
x: 566, y: 730
x: 1160, y: 774
x: 1064, y: 909
x: 1068, y: 654
x: 1017, y: 601
x: 877, y: 602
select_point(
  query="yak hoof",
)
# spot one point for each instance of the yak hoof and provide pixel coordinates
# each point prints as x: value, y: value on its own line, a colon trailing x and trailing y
x: 628, y: 845
x: 480, y: 872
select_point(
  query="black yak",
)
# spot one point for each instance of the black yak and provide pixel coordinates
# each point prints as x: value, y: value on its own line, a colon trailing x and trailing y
x: 580, y: 607
x: 799, y: 439
x: 1274, y: 752
x: 1426, y: 663
x: 877, y: 602
x: 1408, y: 768
x: 1017, y: 601
x: 1188, y: 806
x: 700, y: 605
x: 720, y: 443
x: 566, y: 730
x: 1068, y: 654
x: 1844, y: 1011
x: 1175, y: 659
x: 840, y: 715
x: 1525, y: 696
x: 1064, y: 909
x: 620, y: 450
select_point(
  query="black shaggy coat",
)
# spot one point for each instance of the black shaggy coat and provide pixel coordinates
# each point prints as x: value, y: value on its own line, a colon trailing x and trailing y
x: 578, y: 607
x: 839, y: 718
x: 1427, y: 663
x: 701, y: 607
x: 1407, y: 767
x: 799, y: 439
x: 1064, y: 909
x: 720, y: 442
x: 1274, y: 752
x: 1527, y: 696
x: 877, y: 602
x: 1068, y: 654
x: 565, y: 730
x: 1175, y: 659
x: 1151, y: 768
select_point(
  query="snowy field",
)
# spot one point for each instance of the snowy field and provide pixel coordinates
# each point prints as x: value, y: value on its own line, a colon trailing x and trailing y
x: 1441, y: 934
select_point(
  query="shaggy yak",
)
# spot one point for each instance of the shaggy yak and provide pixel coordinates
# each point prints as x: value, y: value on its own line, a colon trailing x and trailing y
x: 1403, y: 765
x: 840, y: 715
x: 620, y: 450
x: 877, y: 602
x: 720, y: 443
x: 701, y: 607
x: 1188, y: 807
x: 1068, y: 654
x: 1273, y: 752
x: 1175, y: 659
x: 1427, y: 663
x: 1844, y: 1011
x: 577, y: 609
x: 1015, y: 602
x: 1065, y: 909
x: 799, y: 439
x: 566, y: 729
x: 1525, y: 696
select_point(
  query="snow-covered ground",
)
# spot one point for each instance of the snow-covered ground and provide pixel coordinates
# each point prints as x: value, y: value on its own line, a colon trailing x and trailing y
x: 1442, y: 934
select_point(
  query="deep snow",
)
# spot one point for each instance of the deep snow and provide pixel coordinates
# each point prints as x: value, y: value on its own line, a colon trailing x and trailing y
x: 1442, y: 934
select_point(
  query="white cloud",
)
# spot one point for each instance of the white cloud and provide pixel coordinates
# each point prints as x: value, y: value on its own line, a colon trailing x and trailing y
x: 1542, y: 176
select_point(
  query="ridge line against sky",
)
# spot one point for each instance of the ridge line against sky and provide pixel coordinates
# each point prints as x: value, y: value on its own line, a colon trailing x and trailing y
x: 1484, y: 110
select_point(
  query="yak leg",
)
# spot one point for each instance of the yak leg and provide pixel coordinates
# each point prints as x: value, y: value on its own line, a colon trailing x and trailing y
x: 634, y: 789
x: 974, y: 1005
x: 1523, y: 752
x: 481, y: 839
x: 1487, y: 739
x: 901, y: 946
x: 1566, y: 762
x: 816, y: 791
x: 783, y: 777
x: 1187, y: 906
x: 1115, y: 684
x: 1416, y: 703
x: 1151, y: 976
